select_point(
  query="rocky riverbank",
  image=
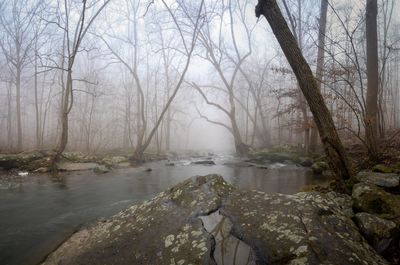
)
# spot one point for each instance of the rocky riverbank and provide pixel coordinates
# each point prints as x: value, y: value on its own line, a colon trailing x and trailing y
x: 204, y: 220
x: 40, y: 161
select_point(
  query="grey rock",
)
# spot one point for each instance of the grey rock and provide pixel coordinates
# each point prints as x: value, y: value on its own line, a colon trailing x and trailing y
x: 203, y: 162
x: 11, y: 161
x: 377, y: 231
x: 114, y: 160
x: 262, y: 166
x: 175, y: 228
x: 374, y: 200
x: 319, y: 167
x: 41, y: 170
x: 101, y: 169
x: 386, y: 180
x: 306, y: 162
x: 70, y: 166
x: 123, y: 165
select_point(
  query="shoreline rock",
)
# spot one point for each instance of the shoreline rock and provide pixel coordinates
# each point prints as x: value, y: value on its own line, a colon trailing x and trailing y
x: 172, y: 228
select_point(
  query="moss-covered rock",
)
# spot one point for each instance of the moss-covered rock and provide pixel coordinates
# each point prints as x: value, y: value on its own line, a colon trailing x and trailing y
x: 113, y: 161
x: 20, y: 161
x: 374, y: 200
x: 71, y: 166
x: 265, y: 155
x: 319, y: 167
x: 382, y: 169
x: 306, y: 161
x: 379, y: 232
x: 173, y: 228
x: 164, y: 230
x: 386, y: 180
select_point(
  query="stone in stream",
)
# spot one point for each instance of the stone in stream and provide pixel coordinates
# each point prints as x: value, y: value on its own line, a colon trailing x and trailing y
x: 101, y: 169
x: 71, y: 166
x: 22, y: 160
x: 184, y: 224
x: 306, y: 162
x: 319, y: 167
x: 203, y: 162
x: 114, y: 161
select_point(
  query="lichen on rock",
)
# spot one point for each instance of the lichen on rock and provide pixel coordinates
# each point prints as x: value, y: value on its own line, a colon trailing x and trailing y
x: 306, y: 228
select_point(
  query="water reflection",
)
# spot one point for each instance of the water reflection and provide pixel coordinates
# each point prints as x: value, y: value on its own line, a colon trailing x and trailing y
x: 229, y: 250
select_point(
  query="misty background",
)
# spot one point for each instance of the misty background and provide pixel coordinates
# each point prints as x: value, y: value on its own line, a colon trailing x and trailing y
x: 234, y: 55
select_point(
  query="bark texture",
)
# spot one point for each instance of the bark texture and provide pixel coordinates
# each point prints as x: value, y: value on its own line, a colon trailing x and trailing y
x: 371, y: 125
x: 333, y: 147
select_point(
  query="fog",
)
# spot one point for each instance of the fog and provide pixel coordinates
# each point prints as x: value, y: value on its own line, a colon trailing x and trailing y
x: 160, y: 76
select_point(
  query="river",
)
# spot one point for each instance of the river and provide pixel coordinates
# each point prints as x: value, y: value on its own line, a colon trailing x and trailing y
x: 39, y: 211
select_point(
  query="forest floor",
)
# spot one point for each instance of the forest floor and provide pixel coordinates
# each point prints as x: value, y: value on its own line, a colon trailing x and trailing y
x: 388, y: 156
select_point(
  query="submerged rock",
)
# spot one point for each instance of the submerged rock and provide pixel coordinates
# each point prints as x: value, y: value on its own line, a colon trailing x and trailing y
x: 185, y: 224
x: 101, y: 169
x: 203, y: 162
x: 262, y: 166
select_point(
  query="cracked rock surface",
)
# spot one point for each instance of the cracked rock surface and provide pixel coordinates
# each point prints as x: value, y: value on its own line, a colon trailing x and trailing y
x: 176, y: 227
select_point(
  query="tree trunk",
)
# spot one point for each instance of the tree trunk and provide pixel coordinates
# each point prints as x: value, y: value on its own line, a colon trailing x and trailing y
x: 320, y: 64
x: 9, y: 116
x: 38, y: 144
x: 18, y: 106
x: 371, y: 126
x: 334, y: 149
x: 64, y: 116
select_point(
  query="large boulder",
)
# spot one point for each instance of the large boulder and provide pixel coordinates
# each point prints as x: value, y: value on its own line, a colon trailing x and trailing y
x: 71, y: 166
x: 20, y: 161
x: 164, y: 230
x: 388, y: 180
x: 319, y: 167
x: 382, y: 169
x: 274, y: 157
x: 113, y: 161
x: 185, y: 224
x: 379, y: 232
x: 374, y: 200
x: 306, y: 162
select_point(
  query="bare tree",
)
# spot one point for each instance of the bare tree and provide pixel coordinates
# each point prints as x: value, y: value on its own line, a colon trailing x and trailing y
x: 74, y: 34
x: 218, y: 54
x: 16, y: 43
x: 308, y: 84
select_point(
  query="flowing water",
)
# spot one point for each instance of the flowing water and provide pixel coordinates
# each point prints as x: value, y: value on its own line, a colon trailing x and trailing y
x: 38, y: 212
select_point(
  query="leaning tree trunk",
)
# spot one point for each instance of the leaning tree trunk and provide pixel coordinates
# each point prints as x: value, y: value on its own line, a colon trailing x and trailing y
x: 334, y: 149
x: 371, y: 125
